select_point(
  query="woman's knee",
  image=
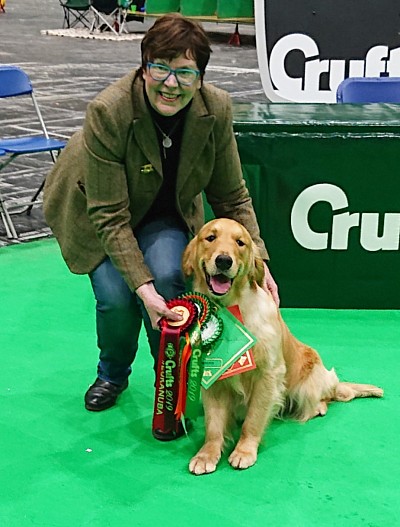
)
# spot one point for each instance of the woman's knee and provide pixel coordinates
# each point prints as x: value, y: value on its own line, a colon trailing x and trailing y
x: 110, y: 289
x: 116, y: 300
x: 170, y: 283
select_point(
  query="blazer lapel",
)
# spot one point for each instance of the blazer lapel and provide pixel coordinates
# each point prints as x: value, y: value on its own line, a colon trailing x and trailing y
x: 197, y: 129
x: 143, y: 128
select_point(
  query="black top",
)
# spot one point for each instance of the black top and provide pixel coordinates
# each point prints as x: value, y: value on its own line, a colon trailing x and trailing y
x: 164, y: 204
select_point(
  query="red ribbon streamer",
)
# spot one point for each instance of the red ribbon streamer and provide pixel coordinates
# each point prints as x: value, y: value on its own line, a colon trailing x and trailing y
x: 167, y: 381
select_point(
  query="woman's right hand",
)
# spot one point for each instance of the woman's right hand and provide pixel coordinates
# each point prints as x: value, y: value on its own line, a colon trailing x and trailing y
x: 155, y: 305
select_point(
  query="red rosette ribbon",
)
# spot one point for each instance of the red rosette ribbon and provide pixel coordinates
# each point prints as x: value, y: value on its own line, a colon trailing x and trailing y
x: 168, y: 367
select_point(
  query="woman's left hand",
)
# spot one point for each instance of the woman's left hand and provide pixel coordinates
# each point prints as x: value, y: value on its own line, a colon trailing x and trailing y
x: 270, y: 285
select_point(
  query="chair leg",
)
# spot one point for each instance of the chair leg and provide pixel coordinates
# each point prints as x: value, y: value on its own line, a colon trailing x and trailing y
x: 7, y: 221
x: 84, y: 21
x: 54, y: 155
x: 94, y: 24
x: 80, y: 18
x: 66, y: 24
x: 34, y: 198
x: 122, y: 21
x: 5, y: 215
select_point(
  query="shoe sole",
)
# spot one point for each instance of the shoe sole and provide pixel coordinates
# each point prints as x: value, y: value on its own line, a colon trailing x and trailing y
x: 97, y: 408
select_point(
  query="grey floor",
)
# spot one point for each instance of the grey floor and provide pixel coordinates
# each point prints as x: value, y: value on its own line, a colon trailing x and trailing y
x: 68, y: 72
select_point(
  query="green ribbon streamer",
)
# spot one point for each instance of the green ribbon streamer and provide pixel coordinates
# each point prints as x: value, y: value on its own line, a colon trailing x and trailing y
x: 195, y: 374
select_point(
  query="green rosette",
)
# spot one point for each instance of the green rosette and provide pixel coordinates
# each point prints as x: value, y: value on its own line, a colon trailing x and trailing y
x: 211, y: 331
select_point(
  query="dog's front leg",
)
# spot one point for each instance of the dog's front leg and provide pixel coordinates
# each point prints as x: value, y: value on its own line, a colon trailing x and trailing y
x: 217, y: 414
x: 265, y: 400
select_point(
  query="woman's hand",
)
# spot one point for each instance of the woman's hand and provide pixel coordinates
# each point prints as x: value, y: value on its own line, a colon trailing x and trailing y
x: 270, y: 285
x: 155, y: 305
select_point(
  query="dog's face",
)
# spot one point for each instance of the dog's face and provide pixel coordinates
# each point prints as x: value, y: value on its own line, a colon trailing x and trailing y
x: 223, y: 259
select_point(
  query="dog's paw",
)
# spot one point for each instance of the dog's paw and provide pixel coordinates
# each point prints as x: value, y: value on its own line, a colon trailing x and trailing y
x: 241, y: 459
x: 203, y: 464
x: 319, y: 411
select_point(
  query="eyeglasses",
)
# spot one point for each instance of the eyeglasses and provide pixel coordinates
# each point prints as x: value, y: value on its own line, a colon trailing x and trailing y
x: 161, y: 72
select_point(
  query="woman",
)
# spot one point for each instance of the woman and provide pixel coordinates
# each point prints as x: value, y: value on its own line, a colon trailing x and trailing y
x: 125, y: 194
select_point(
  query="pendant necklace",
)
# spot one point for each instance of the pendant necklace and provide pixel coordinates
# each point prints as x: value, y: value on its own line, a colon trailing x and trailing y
x: 166, y: 138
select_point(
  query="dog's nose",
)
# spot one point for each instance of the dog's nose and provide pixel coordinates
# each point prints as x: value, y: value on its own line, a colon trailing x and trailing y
x: 223, y: 262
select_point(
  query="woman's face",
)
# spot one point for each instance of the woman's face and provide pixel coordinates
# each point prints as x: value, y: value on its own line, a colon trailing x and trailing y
x: 169, y: 96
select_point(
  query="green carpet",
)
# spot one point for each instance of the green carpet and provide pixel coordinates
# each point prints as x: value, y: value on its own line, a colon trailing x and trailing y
x: 62, y: 466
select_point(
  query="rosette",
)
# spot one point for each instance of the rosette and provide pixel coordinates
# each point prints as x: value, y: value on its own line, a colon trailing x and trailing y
x: 168, y: 367
x: 186, y: 309
x: 202, y: 303
x: 211, y: 331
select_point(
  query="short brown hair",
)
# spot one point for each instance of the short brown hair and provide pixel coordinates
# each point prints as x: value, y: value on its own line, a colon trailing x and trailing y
x: 172, y: 35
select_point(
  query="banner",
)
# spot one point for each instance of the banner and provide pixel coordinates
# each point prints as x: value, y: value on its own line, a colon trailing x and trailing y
x: 325, y: 187
x: 305, y: 49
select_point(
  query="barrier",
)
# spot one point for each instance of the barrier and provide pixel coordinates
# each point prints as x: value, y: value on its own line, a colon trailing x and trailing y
x: 198, y: 8
x: 162, y: 6
x: 325, y: 185
x: 238, y: 11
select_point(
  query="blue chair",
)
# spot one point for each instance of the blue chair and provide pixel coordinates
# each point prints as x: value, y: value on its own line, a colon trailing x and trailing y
x: 14, y: 82
x: 364, y: 90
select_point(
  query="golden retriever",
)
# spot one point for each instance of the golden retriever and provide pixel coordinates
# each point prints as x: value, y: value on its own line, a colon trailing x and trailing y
x: 225, y: 265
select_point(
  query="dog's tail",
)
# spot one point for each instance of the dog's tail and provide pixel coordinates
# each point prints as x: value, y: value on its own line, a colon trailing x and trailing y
x: 311, y: 397
x: 346, y: 391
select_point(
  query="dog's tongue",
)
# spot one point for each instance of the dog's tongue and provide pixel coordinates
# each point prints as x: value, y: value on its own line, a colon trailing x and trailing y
x: 220, y: 283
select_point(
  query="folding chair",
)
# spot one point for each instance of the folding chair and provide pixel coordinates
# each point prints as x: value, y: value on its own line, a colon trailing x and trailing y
x: 14, y: 82
x: 76, y: 13
x: 112, y: 15
x: 106, y: 16
x: 369, y: 90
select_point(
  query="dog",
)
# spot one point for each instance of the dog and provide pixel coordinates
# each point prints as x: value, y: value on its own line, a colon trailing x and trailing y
x: 290, y: 378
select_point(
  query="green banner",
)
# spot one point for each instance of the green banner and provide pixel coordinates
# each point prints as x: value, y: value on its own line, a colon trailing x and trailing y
x: 325, y: 185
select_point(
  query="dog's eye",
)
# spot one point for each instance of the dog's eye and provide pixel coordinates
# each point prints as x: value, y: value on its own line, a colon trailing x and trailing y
x: 210, y: 238
x: 240, y: 243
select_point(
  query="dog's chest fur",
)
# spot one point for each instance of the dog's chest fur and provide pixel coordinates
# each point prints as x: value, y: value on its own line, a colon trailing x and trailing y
x: 260, y: 316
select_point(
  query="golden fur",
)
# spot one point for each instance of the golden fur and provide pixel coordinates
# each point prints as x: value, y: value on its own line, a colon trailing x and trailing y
x: 290, y: 375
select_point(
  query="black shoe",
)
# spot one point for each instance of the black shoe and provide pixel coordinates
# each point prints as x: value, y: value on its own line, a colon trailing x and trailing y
x: 103, y: 394
x: 173, y: 434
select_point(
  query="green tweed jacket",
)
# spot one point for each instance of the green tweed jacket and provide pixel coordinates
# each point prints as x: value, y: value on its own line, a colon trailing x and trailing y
x: 106, y: 178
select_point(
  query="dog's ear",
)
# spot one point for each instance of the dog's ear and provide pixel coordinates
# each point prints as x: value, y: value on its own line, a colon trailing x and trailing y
x: 257, y: 272
x: 188, y: 258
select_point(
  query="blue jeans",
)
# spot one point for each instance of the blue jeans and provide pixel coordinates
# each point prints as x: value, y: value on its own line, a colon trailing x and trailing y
x: 119, y: 312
